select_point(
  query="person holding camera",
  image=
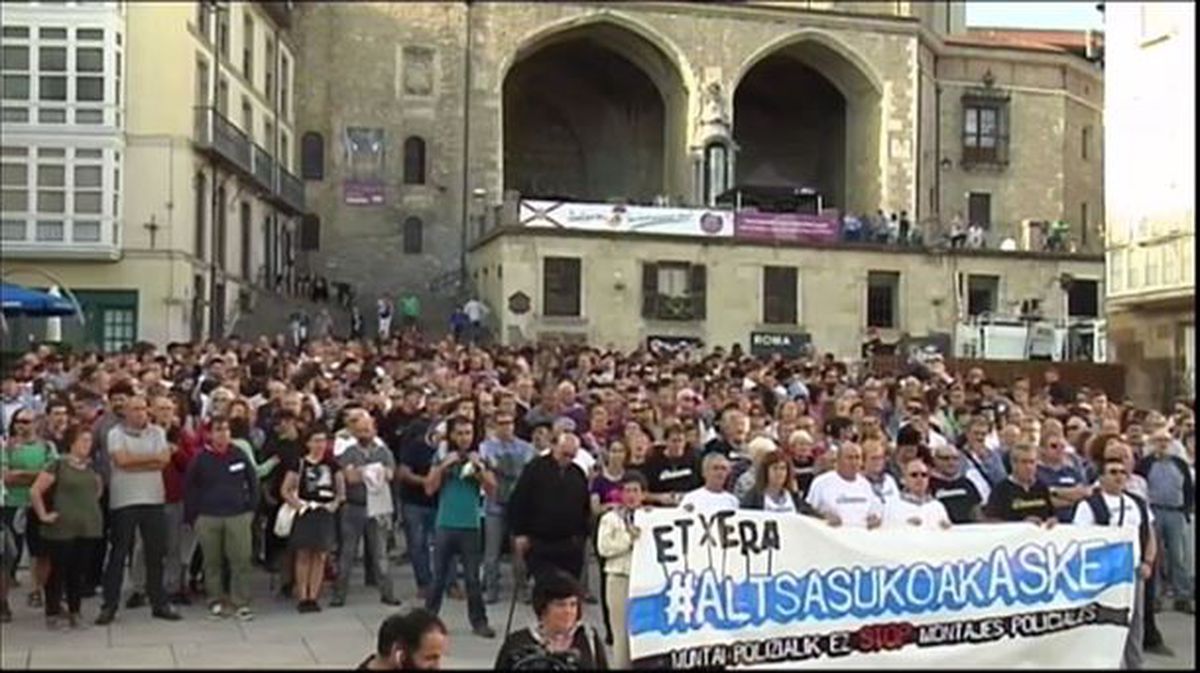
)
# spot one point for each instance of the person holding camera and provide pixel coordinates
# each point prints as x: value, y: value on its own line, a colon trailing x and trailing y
x: 559, y: 640
x: 457, y: 477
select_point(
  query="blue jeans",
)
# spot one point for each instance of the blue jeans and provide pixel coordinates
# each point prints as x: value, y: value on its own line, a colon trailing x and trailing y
x: 1171, y: 528
x: 418, y: 535
x: 463, y: 543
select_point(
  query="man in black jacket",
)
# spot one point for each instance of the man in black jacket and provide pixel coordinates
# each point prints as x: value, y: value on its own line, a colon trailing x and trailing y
x: 550, y: 511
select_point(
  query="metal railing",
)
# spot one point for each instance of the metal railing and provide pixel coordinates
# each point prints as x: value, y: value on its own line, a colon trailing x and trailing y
x: 263, y: 167
x: 215, y: 132
x: 291, y: 190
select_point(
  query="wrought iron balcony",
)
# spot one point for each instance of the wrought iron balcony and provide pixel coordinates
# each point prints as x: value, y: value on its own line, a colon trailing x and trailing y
x: 263, y: 167
x: 291, y: 190
x: 218, y: 135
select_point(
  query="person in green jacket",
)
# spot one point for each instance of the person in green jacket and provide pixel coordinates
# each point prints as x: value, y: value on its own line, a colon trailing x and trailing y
x: 410, y: 311
x: 20, y: 462
x: 70, y: 524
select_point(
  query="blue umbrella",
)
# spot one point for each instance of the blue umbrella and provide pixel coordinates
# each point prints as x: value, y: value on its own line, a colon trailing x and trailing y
x: 17, y: 300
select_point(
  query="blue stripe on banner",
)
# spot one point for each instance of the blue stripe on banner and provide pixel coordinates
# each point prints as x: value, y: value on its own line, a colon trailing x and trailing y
x: 1030, y: 575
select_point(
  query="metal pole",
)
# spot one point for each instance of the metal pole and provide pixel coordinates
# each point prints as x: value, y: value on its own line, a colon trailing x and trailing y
x: 466, y: 167
x: 213, y: 322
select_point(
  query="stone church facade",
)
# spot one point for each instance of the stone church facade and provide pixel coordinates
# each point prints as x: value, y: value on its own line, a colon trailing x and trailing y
x: 420, y: 120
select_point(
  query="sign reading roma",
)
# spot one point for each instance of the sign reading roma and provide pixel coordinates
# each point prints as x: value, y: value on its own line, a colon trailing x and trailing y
x: 748, y: 589
x: 627, y: 219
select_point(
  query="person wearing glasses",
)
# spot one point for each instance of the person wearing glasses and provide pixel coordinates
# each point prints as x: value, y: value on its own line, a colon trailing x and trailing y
x: 1113, y: 505
x: 21, y: 460
x: 1061, y: 473
x: 915, y: 506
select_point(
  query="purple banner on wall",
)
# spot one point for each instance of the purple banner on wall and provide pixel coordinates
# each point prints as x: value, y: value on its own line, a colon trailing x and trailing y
x: 786, y: 227
x: 361, y: 193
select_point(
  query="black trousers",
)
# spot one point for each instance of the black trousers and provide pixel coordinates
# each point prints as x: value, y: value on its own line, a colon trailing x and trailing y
x: 151, y: 522
x: 70, y: 563
x: 549, y: 555
x: 1151, y: 636
x: 95, y: 576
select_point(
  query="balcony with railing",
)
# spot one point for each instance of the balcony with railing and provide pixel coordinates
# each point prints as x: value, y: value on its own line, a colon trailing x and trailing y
x: 263, y: 167
x: 290, y: 191
x: 219, y: 136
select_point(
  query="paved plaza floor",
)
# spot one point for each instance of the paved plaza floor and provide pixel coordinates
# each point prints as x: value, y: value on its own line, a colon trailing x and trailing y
x: 280, y: 637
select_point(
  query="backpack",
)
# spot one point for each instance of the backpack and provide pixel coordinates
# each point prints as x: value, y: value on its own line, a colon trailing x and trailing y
x: 1102, y: 516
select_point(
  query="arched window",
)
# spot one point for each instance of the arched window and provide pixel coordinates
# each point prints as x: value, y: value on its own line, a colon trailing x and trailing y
x: 414, y: 161
x: 716, y: 171
x: 412, y: 236
x: 312, y: 156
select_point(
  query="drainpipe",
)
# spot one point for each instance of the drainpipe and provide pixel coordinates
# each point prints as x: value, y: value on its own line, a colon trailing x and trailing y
x: 214, y: 213
x: 466, y: 165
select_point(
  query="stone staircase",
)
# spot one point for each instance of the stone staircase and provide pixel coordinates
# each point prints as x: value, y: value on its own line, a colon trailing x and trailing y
x: 268, y: 314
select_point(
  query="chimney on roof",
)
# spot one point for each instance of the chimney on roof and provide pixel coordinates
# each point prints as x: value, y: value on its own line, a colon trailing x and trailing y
x: 1092, y: 49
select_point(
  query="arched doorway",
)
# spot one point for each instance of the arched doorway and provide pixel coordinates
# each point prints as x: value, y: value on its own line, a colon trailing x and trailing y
x: 595, y: 113
x: 805, y: 115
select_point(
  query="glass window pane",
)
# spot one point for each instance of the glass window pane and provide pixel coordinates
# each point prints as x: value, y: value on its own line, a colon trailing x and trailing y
x: 87, y: 202
x: 987, y: 122
x: 972, y: 121
x: 89, y: 59
x: 14, y: 58
x: 13, y: 151
x: 48, y: 230
x: 52, y: 116
x: 14, y: 200
x: 89, y: 34
x: 52, y: 59
x: 59, y: 152
x: 52, y: 176
x: 15, y: 87
x: 12, y: 230
x: 88, y: 153
x: 89, y: 89
x: 15, y: 114
x: 86, y: 232
x: 51, y: 202
x: 89, y: 116
x: 87, y: 176
x: 20, y: 32
x: 53, y: 33
x: 14, y: 174
x: 52, y: 88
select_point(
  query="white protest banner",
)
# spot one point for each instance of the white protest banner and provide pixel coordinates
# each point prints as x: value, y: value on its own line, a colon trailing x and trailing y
x: 705, y: 222
x: 752, y: 590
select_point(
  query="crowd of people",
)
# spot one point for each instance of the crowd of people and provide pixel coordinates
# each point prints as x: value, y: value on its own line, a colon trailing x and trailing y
x: 177, y: 471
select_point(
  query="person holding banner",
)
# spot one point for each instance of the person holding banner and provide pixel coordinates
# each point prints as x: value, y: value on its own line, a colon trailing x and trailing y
x: 915, y: 506
x: 1112, y: 505
x: 774, y: 487
x: 843, y: 496
x: 1021, y: 497
x: 615, y: 536
x: 712, y: 496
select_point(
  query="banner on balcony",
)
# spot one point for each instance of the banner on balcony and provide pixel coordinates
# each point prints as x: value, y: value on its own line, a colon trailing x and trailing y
x: 747, y: 589
x: 790, y: 227
x: 628, y: 219
x: 362, y: 193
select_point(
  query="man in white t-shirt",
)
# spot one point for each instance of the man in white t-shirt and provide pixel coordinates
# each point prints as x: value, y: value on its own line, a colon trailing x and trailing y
x: 1113, y: 505
x: 712, y: 496
x: 915, y: 506
x: 843, y: 496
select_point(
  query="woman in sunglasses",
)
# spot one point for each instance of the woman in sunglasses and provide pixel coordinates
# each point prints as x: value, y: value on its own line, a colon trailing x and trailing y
x: 22, y: 459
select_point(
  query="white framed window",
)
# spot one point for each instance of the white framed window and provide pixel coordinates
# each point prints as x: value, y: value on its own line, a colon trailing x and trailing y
x: 58, y: 194
x: 56, y: 75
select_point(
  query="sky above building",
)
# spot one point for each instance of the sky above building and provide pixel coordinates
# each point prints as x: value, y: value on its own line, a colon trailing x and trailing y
x: 1051, y: 15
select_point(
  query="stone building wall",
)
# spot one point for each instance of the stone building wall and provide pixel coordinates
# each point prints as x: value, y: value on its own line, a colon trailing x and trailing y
x: 401, y: 67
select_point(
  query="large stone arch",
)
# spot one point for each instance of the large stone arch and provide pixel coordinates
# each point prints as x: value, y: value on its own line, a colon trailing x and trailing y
x: 582, y: 104
x: 818, y: 121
